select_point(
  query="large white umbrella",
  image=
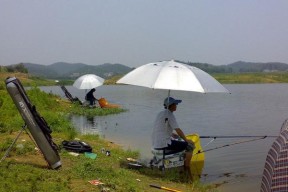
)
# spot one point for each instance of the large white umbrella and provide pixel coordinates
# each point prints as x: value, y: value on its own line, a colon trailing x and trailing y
x: 172, y: 75
x: 88, y: 81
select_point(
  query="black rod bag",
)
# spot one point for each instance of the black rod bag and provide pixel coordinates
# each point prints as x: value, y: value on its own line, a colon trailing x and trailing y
x: 37, y: 126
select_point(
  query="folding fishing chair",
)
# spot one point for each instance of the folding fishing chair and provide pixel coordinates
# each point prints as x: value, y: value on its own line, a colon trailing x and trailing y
x: 163, y: 158
x: 69, y: 96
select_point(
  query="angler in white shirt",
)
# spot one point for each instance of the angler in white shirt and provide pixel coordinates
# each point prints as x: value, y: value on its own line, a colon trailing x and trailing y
x: 163, y: 135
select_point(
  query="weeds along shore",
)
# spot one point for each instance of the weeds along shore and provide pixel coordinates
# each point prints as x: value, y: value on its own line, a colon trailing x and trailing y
x: 25, y: 169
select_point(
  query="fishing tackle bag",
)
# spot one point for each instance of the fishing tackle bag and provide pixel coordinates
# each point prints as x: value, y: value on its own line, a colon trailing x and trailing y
x: 76, y: 146
x: 36, y: 124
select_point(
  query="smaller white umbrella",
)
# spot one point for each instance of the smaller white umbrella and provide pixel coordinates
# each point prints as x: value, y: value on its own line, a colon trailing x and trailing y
x: 88, y: 81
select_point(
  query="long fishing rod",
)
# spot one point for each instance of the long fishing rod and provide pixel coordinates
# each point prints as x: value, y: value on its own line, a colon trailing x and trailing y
x: 164, y: 188
x: 237, y: 136
x: 227, y: 145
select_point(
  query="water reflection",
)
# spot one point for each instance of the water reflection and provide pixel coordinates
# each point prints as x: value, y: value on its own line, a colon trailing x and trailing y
x: 97, y: 125
x: 88, y: 125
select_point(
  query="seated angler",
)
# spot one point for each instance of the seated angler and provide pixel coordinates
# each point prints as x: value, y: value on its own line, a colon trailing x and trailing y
x: 90, y: 97
x: 162, y: 137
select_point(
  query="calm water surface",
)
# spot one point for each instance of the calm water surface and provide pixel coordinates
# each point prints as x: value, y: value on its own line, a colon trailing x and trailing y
x: 249, y: 110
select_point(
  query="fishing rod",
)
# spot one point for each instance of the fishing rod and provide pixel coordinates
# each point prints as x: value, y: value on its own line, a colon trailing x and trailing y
x: 164, y: 188
x: 236, y: 136
x: 230, y: 144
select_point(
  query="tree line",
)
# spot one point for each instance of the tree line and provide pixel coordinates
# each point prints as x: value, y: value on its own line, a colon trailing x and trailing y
x: 14, y: 68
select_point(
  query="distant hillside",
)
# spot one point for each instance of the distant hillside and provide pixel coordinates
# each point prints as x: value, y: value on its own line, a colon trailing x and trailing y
x: 62, y: 70
x: 39, y: 70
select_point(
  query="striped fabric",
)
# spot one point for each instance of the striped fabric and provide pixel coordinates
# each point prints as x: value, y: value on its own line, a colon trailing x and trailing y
x: 275, y: 174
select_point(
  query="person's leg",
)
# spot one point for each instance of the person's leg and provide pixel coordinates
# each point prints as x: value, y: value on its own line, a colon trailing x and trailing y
x: 189, y: 152
x: 187, y: 169
x: 91, y: 102
x: 178, y: 146
x: 188, y: 157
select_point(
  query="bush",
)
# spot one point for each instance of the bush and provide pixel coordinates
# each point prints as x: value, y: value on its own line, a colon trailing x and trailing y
x: 17, y: 68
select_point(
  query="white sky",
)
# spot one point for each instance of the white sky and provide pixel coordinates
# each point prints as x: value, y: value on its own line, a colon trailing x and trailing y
x: 136, y: 32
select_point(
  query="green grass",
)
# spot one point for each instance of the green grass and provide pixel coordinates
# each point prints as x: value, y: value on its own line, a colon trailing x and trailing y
x: 90, y: 112
x: 18, y: 173
x: 249, y: 78
x: 25, y: 170
x: 112, y: 80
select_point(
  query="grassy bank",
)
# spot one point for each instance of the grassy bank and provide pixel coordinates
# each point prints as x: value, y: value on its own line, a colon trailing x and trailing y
x: 25, y: 169
x: 77, y: 109
x: 26, y: 79
x: 250, y: 78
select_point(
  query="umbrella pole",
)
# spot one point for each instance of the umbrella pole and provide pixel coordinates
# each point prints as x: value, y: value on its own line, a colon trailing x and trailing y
x: 168, y: 94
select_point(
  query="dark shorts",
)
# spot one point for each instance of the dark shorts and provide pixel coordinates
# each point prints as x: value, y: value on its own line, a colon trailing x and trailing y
x: 178, y: 146
x: 175, y: 147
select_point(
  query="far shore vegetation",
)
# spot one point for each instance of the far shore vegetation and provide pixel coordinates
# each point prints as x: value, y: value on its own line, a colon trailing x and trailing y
x: 225, y: 78
x: 251, y: 78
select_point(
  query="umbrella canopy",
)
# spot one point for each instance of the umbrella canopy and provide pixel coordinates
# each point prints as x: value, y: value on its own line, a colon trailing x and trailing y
x: 88, y: 81
x: 172, y: 75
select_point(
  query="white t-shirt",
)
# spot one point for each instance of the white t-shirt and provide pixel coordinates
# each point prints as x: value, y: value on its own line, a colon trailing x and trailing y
x: 164, y: 125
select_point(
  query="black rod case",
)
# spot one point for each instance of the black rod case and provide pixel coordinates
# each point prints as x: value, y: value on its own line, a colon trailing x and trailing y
x: 37, y: 126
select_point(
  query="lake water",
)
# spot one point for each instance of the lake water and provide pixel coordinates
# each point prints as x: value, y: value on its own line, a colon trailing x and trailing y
x: 257, y: 109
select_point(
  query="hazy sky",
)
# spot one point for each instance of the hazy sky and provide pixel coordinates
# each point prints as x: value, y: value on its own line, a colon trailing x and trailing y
x: 136, y: 32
